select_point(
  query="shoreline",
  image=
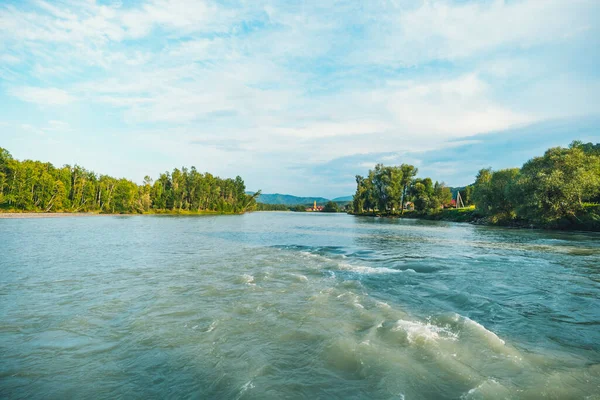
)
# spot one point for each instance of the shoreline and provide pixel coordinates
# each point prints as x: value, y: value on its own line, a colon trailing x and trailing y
x: 470, y: 217
x: 23, y: 215
x: 26, y: 215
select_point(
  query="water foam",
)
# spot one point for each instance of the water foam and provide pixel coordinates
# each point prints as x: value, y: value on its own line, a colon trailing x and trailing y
x: 367, y: 270
x: 382, y: 304
x: 300, y: 277
x: 489, y: 335
x: 418, y: 331
x: 212, y: 327
x: 488, y: 388
x: 244, y: 388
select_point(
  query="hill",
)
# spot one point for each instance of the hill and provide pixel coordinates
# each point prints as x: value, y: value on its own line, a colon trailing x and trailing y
x: 290, y: 200
x: 343, y: 199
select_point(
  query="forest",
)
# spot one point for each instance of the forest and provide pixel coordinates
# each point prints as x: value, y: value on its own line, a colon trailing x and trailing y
x: 41, y: 187
x: 560, y: 189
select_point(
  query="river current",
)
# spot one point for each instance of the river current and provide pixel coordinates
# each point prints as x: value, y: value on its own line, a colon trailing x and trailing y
x: 274, y: 305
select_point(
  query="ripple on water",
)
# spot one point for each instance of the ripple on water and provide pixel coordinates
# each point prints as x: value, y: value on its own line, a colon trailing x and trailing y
x: 385, y: 309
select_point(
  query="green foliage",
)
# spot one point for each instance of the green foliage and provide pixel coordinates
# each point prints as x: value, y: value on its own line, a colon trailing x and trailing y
x: 422, y: 195
x: 492, y: 192
x: 467, y: 214
x: 386, y: 190
x: 408, y: 174
x: 331, y: 207
x: 561, y: 189
x: 36, y: 186
x: 299, y: 208
x: 388, y: 186
x: 467, y: 195
x: 272, y: 207
x: 549, y: 191
x: 362, y: 200
x: 442, y: 194
x: 555, y: 186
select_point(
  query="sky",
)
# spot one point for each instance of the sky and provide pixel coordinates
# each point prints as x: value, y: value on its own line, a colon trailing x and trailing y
x: 297, y: 97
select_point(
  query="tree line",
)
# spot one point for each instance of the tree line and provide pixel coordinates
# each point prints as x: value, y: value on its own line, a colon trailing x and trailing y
x: 41, y: 187
x: 389, y: 189
x: 271, y: 207
x: 330, y: 207
x: 559, y: 189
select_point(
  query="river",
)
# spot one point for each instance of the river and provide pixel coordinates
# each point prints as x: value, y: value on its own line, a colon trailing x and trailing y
x: 273, y: 305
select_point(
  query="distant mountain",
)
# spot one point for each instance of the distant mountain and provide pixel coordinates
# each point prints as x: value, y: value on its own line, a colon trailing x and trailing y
x: 343, y: 199
x: 289, y: 200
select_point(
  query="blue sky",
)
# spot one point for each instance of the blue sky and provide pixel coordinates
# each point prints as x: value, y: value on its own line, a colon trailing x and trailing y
x: 297, y: 97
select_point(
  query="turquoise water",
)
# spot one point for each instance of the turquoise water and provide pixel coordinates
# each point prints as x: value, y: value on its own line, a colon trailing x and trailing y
x: 295, y: 305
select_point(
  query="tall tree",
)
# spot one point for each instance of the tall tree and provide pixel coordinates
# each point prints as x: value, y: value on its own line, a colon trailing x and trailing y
x: 36, y: 186
x: 408, y: 174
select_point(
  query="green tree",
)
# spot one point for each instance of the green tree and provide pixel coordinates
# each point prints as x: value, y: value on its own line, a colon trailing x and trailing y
x: 493, y: 192
x: 408, y: 174
x: 556, y: 185
x: 466, y: 195
x: 331, y: 207
x: 482, y: 193
x: 442, y: 196
x: 36, y: 186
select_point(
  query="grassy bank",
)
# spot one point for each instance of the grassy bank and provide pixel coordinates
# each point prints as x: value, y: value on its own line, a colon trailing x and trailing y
x: 32, y: 214
x: 187, y: 212
x: 587, y: 220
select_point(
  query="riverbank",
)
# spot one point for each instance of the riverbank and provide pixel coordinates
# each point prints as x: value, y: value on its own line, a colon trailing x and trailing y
x: 586, y: 221
x: 19, y: 214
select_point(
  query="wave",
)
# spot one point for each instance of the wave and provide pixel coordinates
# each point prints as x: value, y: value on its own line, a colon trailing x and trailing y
x: 487, y: 389
x: 486, y: 333
x: 247, y: 279
x: 418, y: 332
x: 300, y: 277
x: 368, y: 270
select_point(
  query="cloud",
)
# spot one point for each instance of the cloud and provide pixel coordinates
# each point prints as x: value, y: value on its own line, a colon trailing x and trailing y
x: 57, y: 126
x: 82, y: 22
x: 444, y: 30
x: 42, y: 96
x: 224, y: 145
x: 455, y: 107
x: 9, y: 59
x: 319, y: 130
x: 457, y: 162
x: 270, y: 88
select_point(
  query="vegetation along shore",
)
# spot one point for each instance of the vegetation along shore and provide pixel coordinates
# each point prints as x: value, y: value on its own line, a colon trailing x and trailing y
x: 559, y: 190
x: 35, y: 186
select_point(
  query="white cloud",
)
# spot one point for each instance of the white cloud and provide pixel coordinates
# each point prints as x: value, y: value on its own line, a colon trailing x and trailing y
x: 42, y: 96
x: 454, y: 107
x: 9, y: 59
x: 317, y: 130
x: 57, y: 126
x: 282, y: 79
x: 367, y: 165
x: 79, y: 22
x: 442, y: 30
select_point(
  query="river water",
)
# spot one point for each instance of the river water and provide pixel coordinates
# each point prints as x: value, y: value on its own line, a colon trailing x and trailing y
x: 295, y: 305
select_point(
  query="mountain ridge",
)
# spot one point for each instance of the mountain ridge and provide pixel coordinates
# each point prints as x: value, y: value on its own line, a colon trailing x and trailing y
x: 291, y: 200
